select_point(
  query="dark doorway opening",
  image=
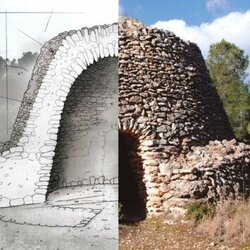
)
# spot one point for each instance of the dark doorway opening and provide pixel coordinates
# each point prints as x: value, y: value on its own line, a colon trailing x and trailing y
x: 132, y: 190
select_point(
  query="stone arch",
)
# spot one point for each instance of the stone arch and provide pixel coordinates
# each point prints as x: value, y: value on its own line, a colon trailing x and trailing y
x: 151, y: 152
x: 86, y: 144
x: 27, y: 162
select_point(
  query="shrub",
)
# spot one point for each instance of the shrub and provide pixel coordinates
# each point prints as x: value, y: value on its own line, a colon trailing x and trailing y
x: 197, y: 211
x: 231, y: 221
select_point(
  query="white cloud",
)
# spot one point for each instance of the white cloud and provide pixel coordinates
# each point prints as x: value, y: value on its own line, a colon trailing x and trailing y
x: 94, y: 12
x: 234, y: 27
x: 216, y: 4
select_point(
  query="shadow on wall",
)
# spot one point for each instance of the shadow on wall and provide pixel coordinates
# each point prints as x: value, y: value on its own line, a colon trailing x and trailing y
x: 87, y: 140
x: 29, y: 154
x: 132, y: 190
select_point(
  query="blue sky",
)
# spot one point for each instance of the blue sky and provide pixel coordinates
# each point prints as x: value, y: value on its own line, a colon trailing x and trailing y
x: 193, y: 12
x: 201, y: 21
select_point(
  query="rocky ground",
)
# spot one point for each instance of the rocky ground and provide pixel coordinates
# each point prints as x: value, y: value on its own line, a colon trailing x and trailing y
x: 155, y: 234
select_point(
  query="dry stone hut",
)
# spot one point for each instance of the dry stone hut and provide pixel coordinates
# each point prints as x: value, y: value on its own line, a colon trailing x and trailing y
x: 66, y: 131
x: 176, y: 143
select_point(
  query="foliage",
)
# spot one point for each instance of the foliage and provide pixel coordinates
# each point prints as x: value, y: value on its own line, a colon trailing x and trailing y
x: 231, y: 221
x: 197, y: 211
x: 25, y: 61
x: 227, y: 65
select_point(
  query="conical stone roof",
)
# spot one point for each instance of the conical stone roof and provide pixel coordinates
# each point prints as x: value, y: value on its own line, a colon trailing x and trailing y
x: 165, y: 85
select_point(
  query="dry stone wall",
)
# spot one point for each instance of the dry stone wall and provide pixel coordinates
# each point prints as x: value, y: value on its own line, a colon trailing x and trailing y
x: 168, y: 101
x: 27, y: 159
x: 89, y: 110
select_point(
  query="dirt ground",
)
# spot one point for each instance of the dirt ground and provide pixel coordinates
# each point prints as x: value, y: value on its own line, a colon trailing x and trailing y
x: 65, y: 222
x: 154, y: 234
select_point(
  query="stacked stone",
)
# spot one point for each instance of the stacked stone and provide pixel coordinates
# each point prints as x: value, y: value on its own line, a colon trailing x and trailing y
x: 217, y: 171
x: 89, y: 97
x: 40, y: 69
x: 167, y: 100
x: 164, y: 84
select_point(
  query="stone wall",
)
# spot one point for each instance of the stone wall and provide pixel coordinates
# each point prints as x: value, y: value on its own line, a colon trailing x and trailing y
x: 217, y: 171
x: 27, y: 159
x: 87, y: 138
x: 168, y: 101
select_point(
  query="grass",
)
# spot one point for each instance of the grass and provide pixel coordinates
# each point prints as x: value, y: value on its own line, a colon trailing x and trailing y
x: 230, y: 222
x: 197, y: 211
x: 226, y: 226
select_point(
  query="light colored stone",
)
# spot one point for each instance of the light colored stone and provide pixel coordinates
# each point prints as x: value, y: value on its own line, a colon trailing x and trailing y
x: 16, y: 202
x: 166, y: 169
x: 28, y: 200
x: 2, y: 159
x: 38, y: 198
x: 4, y: 202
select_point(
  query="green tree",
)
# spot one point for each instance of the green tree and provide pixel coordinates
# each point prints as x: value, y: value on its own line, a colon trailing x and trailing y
x: 227, y: 64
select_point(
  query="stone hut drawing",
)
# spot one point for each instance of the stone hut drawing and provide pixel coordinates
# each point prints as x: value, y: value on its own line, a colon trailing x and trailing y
x: 176, y: 143
x: 65, y: 134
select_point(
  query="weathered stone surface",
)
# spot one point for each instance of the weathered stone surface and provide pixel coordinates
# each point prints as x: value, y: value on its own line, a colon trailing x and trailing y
x: 167, y: 101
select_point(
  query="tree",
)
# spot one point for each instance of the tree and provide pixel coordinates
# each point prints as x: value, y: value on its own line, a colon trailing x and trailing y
x: 27, y: 59
x: 227, y: 65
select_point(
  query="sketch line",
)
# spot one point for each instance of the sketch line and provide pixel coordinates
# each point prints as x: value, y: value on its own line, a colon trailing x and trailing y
x: 12, y: 99
x: 18, y: 67
x: 85, y: 203
x: 30, y: 37
x: 84, y: 221
x: 6, y: 69
x: 48, y: 20
x: 80, y: 198
x: 39, y: 225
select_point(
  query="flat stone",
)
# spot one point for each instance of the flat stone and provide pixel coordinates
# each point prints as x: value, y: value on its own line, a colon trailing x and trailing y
x: 28, y: 200
x: 16, y: 202
x: 4, y: 202
x: 38, y: 198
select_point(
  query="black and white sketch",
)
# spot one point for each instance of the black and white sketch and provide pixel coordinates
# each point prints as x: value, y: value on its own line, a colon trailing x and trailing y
x: 58, y: 168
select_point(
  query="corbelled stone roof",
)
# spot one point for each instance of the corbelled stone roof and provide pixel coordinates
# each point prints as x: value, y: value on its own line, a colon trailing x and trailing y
x: 164, y: 84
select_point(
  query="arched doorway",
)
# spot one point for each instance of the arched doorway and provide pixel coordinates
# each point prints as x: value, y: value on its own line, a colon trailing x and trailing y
x: 132, y: 190
x: 86, y: 150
